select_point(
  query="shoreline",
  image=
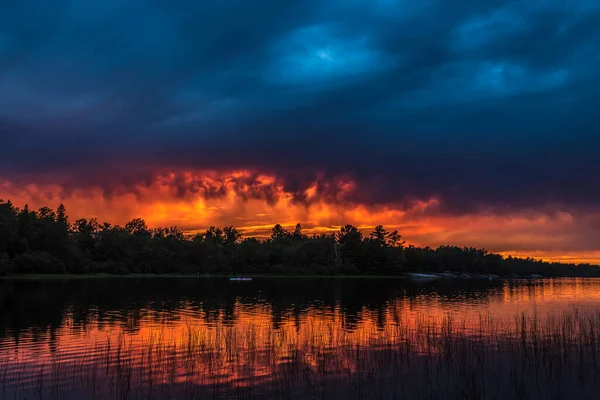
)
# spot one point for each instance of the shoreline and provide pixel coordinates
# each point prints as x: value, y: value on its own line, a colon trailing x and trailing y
x: 414, y: 277
x: 202, y: 276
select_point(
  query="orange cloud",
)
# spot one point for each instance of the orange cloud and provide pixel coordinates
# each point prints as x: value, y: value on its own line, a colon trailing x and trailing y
x: 254, y: 202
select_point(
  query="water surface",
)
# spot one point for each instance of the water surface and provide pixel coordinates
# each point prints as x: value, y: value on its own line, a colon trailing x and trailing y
x: 274, y: 337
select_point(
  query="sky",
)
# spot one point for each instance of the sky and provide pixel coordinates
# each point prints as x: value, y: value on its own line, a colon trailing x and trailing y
x: 475, y: 125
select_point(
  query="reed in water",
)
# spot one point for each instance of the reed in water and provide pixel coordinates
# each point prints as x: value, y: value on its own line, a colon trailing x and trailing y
x: 531, y: 356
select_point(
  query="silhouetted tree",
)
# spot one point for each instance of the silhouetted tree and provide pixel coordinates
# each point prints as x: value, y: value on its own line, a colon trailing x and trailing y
x: 61, y: 215
x: 45, y: 213
x: 44, y: 242
x: 394, y: 239
x: 352, y: 249
x: 232, y: 236
x: 379, y: 235
x: 349, y: 234
x: 137, y: 227
x: 297, y: 234
x: 278, y: 232
x: 214, y: 235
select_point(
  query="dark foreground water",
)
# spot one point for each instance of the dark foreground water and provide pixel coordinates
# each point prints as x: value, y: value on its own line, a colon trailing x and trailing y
x: 176, y: 338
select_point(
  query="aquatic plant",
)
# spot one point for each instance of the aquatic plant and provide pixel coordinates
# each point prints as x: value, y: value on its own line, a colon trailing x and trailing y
x: 479, y: 357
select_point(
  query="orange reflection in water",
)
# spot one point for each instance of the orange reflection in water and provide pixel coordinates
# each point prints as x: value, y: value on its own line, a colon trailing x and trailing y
x: 252, y: 344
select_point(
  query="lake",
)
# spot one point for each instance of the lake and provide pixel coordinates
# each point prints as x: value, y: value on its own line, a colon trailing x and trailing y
x: 190, y: 338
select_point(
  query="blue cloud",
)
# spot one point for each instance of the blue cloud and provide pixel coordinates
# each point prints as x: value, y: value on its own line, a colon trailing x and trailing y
x: 468, y: 82
x: 494, y: 25
x: 428, y: 96
x: 318, y: 56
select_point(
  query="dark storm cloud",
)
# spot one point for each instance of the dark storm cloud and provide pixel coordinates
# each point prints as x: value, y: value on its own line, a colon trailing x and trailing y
x: 488, y: 104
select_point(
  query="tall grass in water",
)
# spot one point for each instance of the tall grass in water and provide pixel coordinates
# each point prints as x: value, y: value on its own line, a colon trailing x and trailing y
x: 532, y: 356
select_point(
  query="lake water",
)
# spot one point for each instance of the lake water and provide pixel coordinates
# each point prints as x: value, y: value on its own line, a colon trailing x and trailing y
x: 192, y: 338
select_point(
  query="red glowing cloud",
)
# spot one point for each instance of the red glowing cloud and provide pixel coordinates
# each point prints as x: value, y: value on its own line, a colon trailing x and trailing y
x: 254, y: 202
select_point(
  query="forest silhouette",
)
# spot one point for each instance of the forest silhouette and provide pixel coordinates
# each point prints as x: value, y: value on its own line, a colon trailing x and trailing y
x: 46, y: 242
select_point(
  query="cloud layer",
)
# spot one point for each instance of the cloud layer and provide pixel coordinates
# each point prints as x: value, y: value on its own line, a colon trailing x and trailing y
x: 488, y: 108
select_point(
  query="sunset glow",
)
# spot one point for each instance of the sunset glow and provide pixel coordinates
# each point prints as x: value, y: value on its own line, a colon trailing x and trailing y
x: 254, y: 202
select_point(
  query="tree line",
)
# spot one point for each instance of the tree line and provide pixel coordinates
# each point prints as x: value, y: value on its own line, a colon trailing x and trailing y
x: 46, y: 242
